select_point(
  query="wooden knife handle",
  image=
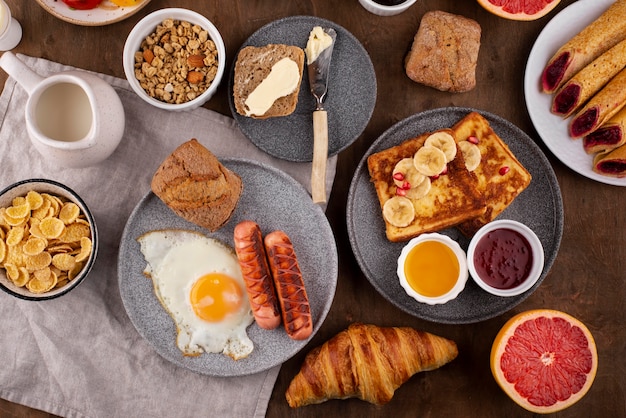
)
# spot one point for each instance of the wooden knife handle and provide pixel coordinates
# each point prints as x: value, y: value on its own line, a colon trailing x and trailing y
x: 320, y: 156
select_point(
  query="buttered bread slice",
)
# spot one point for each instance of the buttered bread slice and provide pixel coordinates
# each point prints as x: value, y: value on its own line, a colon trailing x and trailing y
x: 500, y: 176
x: 267, y: 79
x: 423, y: 185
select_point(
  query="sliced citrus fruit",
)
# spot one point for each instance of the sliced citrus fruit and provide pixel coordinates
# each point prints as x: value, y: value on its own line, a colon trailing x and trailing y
x: 545, y: 360
x: 519, y: 9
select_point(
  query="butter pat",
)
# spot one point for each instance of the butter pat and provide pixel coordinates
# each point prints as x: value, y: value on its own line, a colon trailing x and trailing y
x: 281, y: 81
x: 318, y: 41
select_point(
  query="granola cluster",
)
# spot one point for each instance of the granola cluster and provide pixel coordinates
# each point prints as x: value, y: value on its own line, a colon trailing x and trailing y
x: 176, y: 63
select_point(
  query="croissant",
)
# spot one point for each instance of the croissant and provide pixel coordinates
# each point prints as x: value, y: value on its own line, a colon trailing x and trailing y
x: 367, y: 362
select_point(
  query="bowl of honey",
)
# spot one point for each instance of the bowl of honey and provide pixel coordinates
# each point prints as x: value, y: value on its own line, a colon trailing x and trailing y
x: 432, y: 268
x: 505, y: 258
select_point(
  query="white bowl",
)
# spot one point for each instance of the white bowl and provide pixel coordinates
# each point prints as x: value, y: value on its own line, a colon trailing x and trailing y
x: 382, y: 10
x: 535, y: 246
x: 21, y: 188
x: 460, y: 256
x: 146, y: 27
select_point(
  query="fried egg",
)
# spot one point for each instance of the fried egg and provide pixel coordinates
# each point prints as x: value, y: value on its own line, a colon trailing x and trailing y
x: 199, y: 282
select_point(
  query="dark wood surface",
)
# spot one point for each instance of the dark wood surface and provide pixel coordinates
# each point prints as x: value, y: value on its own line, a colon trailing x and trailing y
x: 586, y: 280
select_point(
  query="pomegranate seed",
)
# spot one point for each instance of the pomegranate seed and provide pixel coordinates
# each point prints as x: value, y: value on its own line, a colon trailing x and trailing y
x: 473, y: 140
x: 435, y: 177
x: 503, y: 170
x: 445, y: 170
x: 398, y: 176
x: 406, y: 185
x: 400, y: 192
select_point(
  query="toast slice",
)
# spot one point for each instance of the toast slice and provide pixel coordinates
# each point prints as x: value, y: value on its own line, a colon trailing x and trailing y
x: 253, y: 65
x: 500, y: 176
x: 453, y: 197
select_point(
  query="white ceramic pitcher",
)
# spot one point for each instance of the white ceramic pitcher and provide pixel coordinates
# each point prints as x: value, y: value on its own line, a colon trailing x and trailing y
x: 73, y: 118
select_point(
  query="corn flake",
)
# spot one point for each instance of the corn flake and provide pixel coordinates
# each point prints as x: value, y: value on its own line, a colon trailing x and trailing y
x: 51, y: 227
x: 12, y: 271
x: 22, y: 278
x: 34, y: 245
x: 3, y: 250
x: 42, y: 211
x: 74, y: 232
x: 85, y: 249
x: 15, y: 236
x: 34, y: 199
x: 42, y: 281
x: 37, y: 262
x: 19, y: 212
x: 69, y: 213
x: 64, y: 261
x: 11, y: 221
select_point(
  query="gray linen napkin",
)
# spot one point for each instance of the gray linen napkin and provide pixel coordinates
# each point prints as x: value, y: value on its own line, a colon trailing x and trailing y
x: 79, y: 355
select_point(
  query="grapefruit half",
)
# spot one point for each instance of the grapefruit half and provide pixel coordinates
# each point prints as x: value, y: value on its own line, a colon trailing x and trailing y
x: 519, y: 9
x: 545, y: 360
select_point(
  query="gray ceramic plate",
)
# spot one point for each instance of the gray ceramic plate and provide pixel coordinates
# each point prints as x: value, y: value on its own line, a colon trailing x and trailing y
x: 350, y: 100
x: 540, y: 207
x: 275, y: 201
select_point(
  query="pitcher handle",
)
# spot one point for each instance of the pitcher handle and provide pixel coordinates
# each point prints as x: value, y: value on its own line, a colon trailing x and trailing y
x: 24, y: 76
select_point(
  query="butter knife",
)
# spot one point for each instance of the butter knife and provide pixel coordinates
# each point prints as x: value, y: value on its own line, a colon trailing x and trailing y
x: 318, y: 71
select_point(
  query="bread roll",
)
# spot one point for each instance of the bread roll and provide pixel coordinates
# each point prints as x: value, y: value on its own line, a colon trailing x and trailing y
x: 196, y: 186
x: 444, y: 53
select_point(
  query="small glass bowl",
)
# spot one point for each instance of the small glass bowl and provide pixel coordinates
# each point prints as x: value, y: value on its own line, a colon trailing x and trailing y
x: 460, y: 256
x: 536, y: 248
x: 145, y: 27
x: 54, y: 188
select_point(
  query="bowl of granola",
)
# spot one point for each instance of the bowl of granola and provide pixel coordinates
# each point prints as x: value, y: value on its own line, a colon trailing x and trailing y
x: 174, y: 59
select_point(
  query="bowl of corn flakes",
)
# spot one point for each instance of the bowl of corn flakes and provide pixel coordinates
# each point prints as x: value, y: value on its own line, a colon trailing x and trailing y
x: 174, y: 59
x: 48, y: 239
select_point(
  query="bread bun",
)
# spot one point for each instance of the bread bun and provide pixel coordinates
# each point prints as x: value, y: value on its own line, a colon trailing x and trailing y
x: 196, y: 186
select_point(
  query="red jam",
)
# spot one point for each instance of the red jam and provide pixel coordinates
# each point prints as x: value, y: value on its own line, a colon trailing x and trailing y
x: 503, y: 258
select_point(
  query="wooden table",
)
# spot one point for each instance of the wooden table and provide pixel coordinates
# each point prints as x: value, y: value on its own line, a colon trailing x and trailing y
x: 586, y: 280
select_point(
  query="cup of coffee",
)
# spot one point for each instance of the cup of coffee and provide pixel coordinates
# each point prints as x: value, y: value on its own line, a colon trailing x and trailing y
x: 386, y: 7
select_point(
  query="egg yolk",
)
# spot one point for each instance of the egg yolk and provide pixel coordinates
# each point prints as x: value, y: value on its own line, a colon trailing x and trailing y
x: 431, y: 268
x: 214, y: 296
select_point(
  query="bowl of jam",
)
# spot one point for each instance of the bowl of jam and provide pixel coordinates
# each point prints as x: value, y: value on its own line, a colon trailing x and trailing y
x: 505, y: 258
x: 386, y: 7
x: 432, y: 269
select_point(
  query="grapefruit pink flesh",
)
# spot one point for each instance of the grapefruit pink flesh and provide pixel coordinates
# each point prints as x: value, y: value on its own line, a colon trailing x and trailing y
x: 519, y: 9
x: 545, y: 360
x: 552, y: 352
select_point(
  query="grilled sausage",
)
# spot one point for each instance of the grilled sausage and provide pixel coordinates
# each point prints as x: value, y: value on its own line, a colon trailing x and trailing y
x: 294, y: 302
x: 259, y: 283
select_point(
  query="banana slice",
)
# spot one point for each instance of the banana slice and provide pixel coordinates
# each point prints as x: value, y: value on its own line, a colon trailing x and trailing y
x: 445, y: 142
x: 420, y: 190
x: 471, y: 155
x: 405, y: 175
x: 399, y: 211
x: 429, y: 160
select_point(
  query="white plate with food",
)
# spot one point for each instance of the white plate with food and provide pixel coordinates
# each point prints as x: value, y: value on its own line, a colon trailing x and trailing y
x: 105, y: 13
x: 349, y: 102
x: 552, y: 128
x: 539, y: 207
x: 276, y: 202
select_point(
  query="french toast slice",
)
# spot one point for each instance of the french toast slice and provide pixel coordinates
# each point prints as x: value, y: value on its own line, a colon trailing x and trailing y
x: 500, y: 176
x: 453, y: 197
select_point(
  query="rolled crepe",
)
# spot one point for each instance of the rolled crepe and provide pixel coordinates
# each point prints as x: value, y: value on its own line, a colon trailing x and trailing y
x: 612, y: 163
x: 601, y: 107
x: 588, y: 81
x: 600, y: 35
x: 609, y: 136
